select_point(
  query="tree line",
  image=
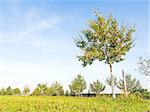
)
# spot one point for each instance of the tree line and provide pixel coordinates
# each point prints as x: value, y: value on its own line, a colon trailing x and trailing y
x: 77, y: 86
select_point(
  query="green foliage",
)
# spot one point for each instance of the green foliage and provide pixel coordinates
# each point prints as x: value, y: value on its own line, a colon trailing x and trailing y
x: 104, y: 40
x: 144, y: 66
x: 71, y: 104
x: 132, y: 84
x: 78, y: 85
x: 40, y: 89
x: 16, y: 91
x: 3, y: 91
x: 48, y: 91
x: 109, y: 81
x: 57, y: 89
x: 143, y: 93
x: 9, y: 91
x: 36, y: 92
x: 67, y: 93
x: 97, y: 87
x: 26, y: 90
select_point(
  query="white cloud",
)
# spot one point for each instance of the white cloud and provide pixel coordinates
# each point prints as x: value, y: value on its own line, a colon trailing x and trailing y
x: 42, y: 24
x: 35, y: 21
x: 31, y: 24
x: 28, y: 36
x: 50, y: 22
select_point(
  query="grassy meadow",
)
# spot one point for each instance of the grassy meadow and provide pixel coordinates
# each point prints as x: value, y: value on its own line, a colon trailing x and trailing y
x: 78, y: 52
x: 71, y: 104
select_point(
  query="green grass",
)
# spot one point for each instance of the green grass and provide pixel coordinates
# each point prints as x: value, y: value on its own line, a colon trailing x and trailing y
x: 71, y: 104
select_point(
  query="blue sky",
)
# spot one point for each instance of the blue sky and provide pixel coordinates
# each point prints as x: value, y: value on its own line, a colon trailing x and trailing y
x: 36, y: 40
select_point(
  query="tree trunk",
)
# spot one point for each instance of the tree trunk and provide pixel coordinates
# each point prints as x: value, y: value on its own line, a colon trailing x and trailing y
x: 80, y: 94
x: 112, y: 82
x: 124, y: 84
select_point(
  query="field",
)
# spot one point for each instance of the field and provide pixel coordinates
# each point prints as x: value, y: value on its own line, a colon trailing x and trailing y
x: 71, y: 104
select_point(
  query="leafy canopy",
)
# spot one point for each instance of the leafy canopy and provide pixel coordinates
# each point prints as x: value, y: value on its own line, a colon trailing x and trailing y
x: 97, y: 87
x: 16, y: 91
x: 57, y: 89
x: 109, y: 81
x: 26, y: 90
x: 78, y: 85
x: 132, y: 84
x: 104, y: 40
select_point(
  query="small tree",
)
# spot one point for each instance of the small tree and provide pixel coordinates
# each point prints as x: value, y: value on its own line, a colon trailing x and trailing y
x: 97, y: 87
x: 106, y: 41
x: 40, y: 89
x: 26, y: 90
x: 36, y: 92
x: 16, y: 91
x: 9, y: 90
x: 109, y: 81
x: 48, y: 91
x: 57, y: 89
x: 77, y: 85
x: 132, y: 84
x: 144, y: 93
x: 144, y: 66
x: 3, y: 91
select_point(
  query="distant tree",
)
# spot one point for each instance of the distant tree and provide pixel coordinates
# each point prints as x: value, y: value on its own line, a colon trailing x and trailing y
x: 106, y: 41
x: 132, y: 84
x: 144, y: 93
x: 108, y: 81
x: 16, y: 91
x: 36, y: 92
x: 3, y: 91
x: 97, y: 87
x: 67, y: 93
x: 48, y: 91
x: 9, y: 91
x: 57, y: 89
x: 40, y: 89
x: 144, y: 66
x: 26, y: 90
x: 78, y: 85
